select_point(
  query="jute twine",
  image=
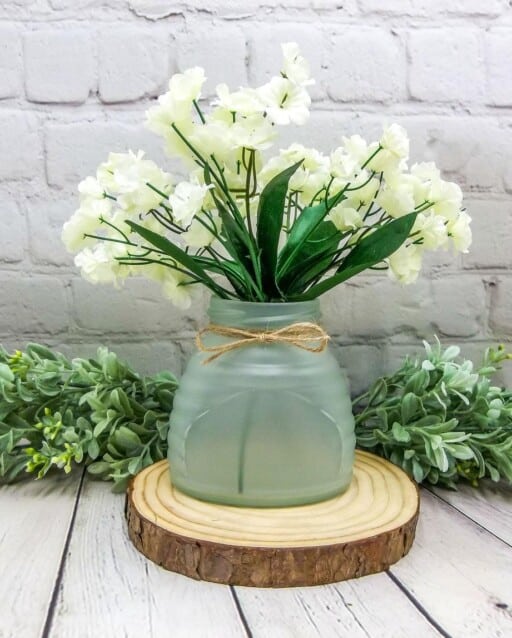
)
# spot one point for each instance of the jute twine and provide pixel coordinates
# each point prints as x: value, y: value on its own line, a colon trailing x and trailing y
x: 305, y: 335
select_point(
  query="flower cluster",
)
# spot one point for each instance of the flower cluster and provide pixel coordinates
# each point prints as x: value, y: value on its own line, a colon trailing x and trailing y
x: 254, y: 227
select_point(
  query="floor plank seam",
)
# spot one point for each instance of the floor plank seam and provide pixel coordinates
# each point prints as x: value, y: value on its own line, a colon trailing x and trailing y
x: 240, y: 610
x: 440, y: 498
x: 47, y: 627
x: 418, y: 605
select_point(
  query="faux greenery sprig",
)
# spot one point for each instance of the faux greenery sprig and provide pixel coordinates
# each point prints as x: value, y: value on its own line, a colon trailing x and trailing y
x: 439, y: 419
x: 58, y: 413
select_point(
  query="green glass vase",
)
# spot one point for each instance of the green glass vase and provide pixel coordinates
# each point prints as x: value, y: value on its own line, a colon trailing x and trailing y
x: 264, y: 425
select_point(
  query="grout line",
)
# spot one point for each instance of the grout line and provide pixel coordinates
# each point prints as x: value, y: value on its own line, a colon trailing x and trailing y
x: 418, y: 605
x: 240, y: 612
x: 60, y: 574
x: 467, y: 516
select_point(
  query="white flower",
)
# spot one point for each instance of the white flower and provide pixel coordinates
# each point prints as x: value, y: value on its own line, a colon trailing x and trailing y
x: 405, y: 264
x: 270, y: 169
x: 447, y: 198
x: 426, y: 171
x: 174, y: 288
x: 285, y: 102
x: 460, y: 232
x: 343, y: 165
x: 295, y: 66
x: 312, y: 160
x: 174, y: 109
x: 198, y: 234
x: 309, y: 178
x: 432, y: 229
x: 127, y: 175
x: 85, y: 220
x: 186, y: 201
x: 169, y: 111
x: 394, y: 139
x: 254, y: 132
x: 393, y: 153
x: 73, y: 232
x: 213, y: 138
x: 90, y: 187
x: 345, y: 218
x: 173, y: 284
x: 98, y: 264
x: 186, y: 86
x: 367, y: 191
x: 245, y: 101
x: 357, y: 148
x: 397, y: 200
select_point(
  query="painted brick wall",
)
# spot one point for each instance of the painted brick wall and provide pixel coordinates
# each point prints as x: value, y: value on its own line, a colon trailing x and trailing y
x: 77, y: 75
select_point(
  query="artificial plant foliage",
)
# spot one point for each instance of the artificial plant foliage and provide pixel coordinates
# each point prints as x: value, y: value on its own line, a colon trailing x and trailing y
x: 438, y: 417
x: 56, y: 413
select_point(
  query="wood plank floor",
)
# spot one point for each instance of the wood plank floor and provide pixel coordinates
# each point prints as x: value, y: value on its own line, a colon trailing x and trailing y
x: 68, y: 570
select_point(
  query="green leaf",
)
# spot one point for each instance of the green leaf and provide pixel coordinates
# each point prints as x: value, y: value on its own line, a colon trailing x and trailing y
x: 127, y: 439
x: 410, y: 406
x: 378, y: 392
x: 135, y: 465
x: 270, y: 222
x: 418, y: 382
x: 99, y: 468
x: 93, y: 449
x: 230, y: 269
x: 400, y: 433
x: 173, y: 251
x: 6, y: 373
x: 41, y: 351
x: 237, y: 243
x: 301, y: 231
x: 317, y: 255
x: 417, y: 471
x: 368, y: 252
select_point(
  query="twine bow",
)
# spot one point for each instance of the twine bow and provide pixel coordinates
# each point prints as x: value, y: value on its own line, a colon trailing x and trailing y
x: 301, y: 334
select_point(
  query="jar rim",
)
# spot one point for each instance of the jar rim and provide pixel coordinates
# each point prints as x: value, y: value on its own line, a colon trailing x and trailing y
x: 217, y: 301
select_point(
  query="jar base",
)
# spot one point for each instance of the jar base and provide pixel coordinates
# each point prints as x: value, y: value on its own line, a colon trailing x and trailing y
x: 260, y: 500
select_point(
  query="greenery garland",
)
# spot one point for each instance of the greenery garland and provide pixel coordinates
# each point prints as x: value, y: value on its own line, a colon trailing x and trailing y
x: 439, y: 419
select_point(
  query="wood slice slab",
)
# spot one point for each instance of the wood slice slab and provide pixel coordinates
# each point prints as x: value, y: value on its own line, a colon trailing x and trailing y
x: 363, y: 531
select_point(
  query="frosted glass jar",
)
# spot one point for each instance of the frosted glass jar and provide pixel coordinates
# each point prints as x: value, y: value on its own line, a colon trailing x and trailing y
x: 266, y: 425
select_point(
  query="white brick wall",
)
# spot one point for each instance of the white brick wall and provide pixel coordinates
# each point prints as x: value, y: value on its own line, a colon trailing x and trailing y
x: 77, y: 75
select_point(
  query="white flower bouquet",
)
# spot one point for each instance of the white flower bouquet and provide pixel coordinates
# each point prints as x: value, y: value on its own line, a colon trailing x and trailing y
x: 256, y: 228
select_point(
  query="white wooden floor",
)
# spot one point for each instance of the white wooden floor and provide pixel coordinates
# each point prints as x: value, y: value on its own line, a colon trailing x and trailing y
x: 68, y: 570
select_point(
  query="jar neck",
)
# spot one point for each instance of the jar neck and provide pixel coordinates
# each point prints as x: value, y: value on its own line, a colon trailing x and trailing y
x: 249, y: 314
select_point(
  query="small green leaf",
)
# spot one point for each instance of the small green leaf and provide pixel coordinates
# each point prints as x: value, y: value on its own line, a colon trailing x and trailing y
x: 410, y: 407
x: 99, y: 468
x: 93, y: 449
x: 400, y: 433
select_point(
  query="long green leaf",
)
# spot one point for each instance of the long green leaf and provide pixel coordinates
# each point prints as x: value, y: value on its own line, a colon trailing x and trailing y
x: 231, y: 270
x: 237, y: 243
x: 316, y: 256
x: 167, y: 247
x: 369, y: 251
x: 303, y: 228
x: 270, y: 222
